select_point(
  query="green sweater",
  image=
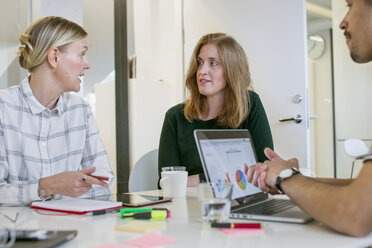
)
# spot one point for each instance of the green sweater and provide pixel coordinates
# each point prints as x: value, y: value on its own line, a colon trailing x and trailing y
x: 177, y: 145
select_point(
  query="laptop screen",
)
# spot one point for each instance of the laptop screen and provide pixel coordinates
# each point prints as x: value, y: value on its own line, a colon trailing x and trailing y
x: 227, y: 160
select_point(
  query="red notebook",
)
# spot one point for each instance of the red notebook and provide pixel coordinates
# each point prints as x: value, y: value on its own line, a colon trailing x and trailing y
x: 76, y: 205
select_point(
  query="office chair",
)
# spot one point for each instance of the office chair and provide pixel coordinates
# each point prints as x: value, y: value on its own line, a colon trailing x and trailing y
x: 357, y: 149
x: 144, y: 174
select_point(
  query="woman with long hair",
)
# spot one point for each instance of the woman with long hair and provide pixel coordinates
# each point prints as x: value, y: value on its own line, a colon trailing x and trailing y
x: 221, y: 97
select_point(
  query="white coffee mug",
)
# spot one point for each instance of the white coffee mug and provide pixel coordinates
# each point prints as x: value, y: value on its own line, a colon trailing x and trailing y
x: 174, y: 183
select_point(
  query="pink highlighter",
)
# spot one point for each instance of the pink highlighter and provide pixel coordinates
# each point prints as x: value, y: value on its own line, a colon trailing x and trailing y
x: 100, y: 177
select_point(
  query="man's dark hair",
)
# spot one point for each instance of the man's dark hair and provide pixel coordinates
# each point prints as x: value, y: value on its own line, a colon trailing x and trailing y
x: 368, y: 2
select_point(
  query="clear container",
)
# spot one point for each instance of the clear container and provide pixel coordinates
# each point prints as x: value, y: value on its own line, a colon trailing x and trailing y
x: 215, y: 201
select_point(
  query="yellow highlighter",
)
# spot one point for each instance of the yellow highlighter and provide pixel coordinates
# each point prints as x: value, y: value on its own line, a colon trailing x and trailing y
x: 150, y: 215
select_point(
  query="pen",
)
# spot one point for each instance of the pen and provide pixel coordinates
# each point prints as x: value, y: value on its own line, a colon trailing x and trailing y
x: 151, y: 215
x: 237, y: 225
x: 99, y: 177
x: 100, y: 212
x: 138, y: 210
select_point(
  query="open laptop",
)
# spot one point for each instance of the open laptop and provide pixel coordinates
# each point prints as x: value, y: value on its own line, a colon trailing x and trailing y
x: 225, y: 154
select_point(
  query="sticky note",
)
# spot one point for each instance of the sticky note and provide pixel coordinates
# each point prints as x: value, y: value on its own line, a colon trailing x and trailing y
x: 141, y: 226
x: 111, y: 246
x: 242, y: 231
x: 150, y: 240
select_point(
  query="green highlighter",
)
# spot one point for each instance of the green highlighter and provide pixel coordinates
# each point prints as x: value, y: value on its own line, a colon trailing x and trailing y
x: 149, y: 215
x: 124, y: 211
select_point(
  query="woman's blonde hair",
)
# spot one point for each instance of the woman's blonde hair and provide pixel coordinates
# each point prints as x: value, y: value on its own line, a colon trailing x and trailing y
x: 238, y: 81
x: 41, y: 35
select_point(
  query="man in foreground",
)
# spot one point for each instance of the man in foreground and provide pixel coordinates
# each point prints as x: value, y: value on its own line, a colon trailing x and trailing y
x: 344, y: 205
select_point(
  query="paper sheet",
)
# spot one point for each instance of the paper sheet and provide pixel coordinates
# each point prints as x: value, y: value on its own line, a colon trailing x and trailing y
x: 150, y: 240
x: 112, y: 246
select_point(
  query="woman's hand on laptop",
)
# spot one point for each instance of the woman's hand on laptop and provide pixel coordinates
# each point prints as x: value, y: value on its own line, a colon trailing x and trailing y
x: 193, y: 181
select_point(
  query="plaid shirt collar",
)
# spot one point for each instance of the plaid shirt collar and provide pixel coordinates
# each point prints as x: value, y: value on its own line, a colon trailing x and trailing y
x: 36, y: 107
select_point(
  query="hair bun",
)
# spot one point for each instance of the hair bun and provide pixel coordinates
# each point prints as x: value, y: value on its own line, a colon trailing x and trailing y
x: 25, y: 51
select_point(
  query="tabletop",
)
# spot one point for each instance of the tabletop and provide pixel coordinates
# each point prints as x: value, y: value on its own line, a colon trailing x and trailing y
x: 185, y: 226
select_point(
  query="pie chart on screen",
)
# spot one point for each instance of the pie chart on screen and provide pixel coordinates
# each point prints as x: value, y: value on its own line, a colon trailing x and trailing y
x: 241, y: 180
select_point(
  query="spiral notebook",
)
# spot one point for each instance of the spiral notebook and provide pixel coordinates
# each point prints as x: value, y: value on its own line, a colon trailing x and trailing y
x: 76, y: 205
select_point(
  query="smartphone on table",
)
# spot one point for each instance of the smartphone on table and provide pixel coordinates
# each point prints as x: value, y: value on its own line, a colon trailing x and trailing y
x: 135, y: 200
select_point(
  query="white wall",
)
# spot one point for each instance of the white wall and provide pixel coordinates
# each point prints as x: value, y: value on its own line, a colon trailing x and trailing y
x: 69, y: 9
x: 157, y: 43
x: 98, y: 21
x: 353, y: 88
x: 13, y: 21
x: 10, y: 71
x: 106, y: 119
x: 148, y: 103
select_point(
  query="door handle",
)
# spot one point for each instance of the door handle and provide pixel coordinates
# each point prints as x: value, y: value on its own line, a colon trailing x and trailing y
x: 296, y: 119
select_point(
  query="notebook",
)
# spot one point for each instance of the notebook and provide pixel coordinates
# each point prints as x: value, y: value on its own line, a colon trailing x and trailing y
x: 225, y: 155
x: 76, y: 205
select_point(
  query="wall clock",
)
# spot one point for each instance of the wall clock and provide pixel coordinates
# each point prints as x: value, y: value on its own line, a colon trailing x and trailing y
x: 315, y: 46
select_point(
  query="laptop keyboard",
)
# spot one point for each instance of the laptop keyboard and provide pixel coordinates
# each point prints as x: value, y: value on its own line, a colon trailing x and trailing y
x: 269, y: 207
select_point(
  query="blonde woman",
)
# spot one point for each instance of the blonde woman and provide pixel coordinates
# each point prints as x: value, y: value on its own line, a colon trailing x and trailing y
x: 49, y: 141
x: 221, y: 97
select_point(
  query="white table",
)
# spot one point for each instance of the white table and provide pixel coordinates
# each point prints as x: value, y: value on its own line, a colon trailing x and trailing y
x: 185, y: 225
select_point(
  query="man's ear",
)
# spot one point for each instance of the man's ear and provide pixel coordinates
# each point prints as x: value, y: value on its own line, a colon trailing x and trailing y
x: 53, y: 57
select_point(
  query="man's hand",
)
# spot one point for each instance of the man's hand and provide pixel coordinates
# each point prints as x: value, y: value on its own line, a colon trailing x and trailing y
x: 263, y: 175
x: 256, y: 175
x: 275, y: 165
x: 73, y: 183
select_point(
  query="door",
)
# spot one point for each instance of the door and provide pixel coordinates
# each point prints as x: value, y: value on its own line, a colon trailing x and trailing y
x: 273, y: 35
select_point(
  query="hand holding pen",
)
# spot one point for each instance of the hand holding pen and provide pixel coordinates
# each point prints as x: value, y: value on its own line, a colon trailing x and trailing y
x: 71, y: 183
